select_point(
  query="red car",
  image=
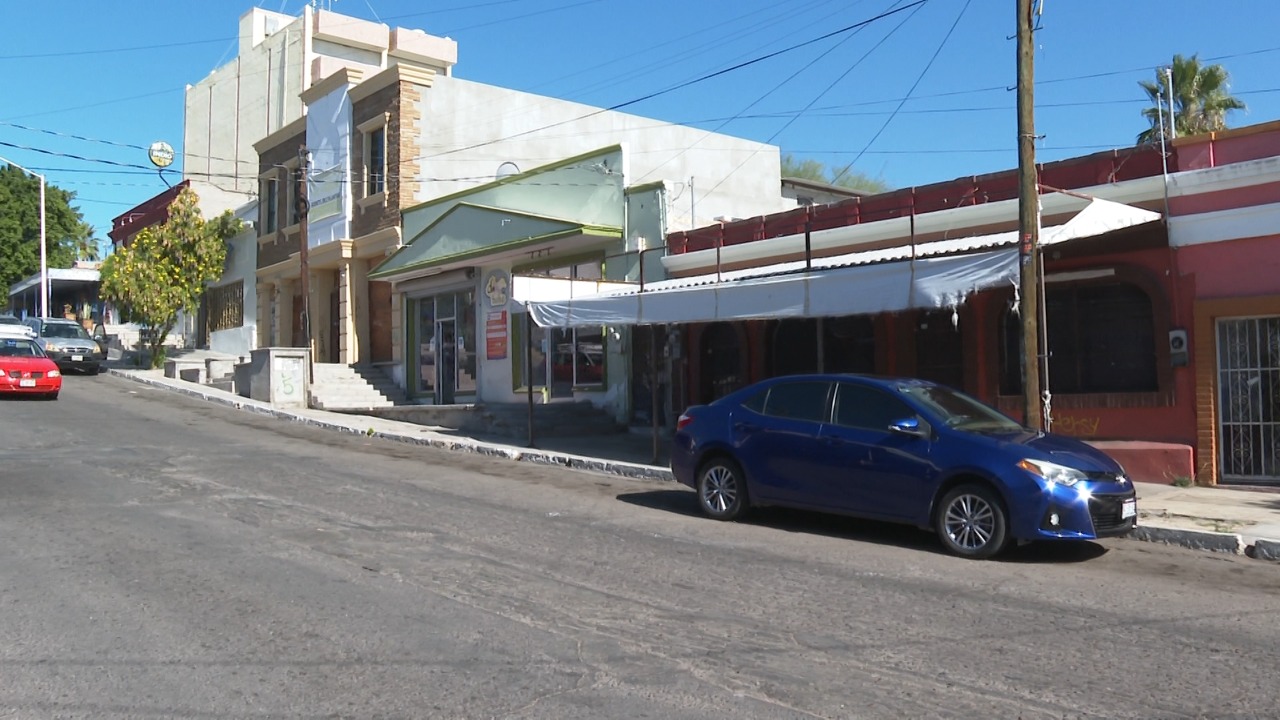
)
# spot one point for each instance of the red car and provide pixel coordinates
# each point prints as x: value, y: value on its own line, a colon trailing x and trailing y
x: 25, y: 369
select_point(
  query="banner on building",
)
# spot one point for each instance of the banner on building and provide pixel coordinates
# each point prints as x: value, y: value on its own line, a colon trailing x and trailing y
x: 495, y: 333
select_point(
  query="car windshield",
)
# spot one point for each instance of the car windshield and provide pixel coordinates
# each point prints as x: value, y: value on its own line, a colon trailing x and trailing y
x: 18, y: 347
x: 65, y: 330
x: 957, y: 410
x: 9, y: 320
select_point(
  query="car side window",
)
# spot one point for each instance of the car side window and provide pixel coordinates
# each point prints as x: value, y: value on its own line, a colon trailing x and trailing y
x: 859, y: 406
x: 755, y: 403
x: 804, y: 400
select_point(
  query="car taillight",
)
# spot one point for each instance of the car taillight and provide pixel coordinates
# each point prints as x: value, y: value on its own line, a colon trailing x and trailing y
x: 684, y: 420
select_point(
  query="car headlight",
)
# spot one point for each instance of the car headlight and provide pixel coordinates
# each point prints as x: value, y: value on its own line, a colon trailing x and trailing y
x: 1053, y: 472
x: 49, y: 345
x: 54, y: 373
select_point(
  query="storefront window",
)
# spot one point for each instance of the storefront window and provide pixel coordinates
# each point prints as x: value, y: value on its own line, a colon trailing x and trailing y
x: 1101, y: 340
x: 466, y: 342
x: 571, y: 358
x: 427, y: 346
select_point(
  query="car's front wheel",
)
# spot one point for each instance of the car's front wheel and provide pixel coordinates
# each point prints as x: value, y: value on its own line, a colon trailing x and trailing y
x: 722, y: 489
x: 972, y: 522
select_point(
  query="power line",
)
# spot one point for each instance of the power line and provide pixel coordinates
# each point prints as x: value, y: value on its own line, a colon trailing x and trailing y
x: 914, y: 85
x: 673, y: 88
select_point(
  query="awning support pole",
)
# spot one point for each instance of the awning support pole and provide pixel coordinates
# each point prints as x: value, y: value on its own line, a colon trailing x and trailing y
x: 653, y: 390
x: 528, y: 367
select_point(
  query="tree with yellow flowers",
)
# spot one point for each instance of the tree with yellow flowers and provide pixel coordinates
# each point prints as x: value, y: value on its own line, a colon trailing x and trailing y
x: 163, y: 270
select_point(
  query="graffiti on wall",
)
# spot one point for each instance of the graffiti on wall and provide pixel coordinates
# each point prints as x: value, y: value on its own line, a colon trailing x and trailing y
x: 1077, y: 426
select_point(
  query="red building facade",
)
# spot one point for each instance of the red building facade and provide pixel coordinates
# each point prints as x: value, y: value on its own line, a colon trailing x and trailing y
x: 1163, y: 339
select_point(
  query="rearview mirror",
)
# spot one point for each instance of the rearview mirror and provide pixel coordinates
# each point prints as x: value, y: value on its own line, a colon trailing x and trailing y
x: 909, y: 426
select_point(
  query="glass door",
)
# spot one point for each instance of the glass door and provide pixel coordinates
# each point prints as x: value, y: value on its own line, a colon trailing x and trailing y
x: 447, y: 337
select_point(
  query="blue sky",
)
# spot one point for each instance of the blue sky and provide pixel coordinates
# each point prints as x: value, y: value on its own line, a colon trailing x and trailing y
x: 919, y: 96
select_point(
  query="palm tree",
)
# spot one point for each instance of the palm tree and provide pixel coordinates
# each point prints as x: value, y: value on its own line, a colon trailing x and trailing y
x: 1201, y: 100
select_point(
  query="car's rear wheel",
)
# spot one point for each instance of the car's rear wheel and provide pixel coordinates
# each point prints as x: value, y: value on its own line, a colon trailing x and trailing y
x: 51, y: 396
x: 722, y: 489
x: 972, y: 522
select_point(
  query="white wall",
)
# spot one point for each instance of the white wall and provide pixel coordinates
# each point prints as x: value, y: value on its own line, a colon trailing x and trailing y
x: 240, y: 103
x: 241, y: 266
x: 731, y: 176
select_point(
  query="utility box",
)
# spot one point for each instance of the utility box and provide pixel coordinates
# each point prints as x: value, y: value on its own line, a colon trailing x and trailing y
x: 277, y: 375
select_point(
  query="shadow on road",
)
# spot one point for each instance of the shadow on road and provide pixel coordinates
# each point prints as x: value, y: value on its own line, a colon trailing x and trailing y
x: 684, y: 502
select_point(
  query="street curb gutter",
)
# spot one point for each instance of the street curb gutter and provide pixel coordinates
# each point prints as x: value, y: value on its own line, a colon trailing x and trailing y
x: 534, y: 455
x: 1267, y: 550
x: 1194, y: 539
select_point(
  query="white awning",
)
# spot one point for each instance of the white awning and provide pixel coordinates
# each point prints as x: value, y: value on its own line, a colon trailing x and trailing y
x: 929, y: 275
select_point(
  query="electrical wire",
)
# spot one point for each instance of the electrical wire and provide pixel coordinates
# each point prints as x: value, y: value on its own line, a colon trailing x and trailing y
x: 836, y: 178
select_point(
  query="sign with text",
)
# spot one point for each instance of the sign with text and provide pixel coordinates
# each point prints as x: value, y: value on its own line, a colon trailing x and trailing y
x: 495, y: 334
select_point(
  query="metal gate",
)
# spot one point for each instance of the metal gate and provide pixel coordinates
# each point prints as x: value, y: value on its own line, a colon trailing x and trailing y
x: 1249, y: 399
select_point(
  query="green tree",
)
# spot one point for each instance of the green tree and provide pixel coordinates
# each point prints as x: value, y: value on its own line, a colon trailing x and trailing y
x: 164, y: 268
x: 818, y: 172
x: 1201, y: 100
x: 67, y: 236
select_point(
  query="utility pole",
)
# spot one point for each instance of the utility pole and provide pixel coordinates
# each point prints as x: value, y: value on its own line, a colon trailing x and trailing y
x: 303, y: 206
x: 1028, y: 221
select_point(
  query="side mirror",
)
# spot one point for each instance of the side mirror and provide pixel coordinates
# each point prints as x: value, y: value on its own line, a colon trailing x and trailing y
x: 909, y: 426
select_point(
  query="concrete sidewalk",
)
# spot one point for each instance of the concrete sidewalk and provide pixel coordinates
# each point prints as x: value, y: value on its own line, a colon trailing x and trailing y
x: 1231, y: 520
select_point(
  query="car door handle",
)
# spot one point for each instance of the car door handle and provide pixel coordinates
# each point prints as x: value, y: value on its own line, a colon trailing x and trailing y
x: 745, y: 427
x: 834, y: 441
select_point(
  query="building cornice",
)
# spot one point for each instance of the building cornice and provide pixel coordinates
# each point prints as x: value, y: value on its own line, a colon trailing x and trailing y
x: 275, y: 139
x: 396, y: 73
x: 344, y: 76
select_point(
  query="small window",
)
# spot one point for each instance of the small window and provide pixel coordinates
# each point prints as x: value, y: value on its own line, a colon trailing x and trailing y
x: 805, y: 400
x: 375, y: 167
x: 269, y: 206
x: 289, y: 191
x: 859, y: 406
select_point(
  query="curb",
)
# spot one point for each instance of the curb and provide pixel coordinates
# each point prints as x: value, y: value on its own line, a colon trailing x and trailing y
x: 518, y: 454
x: 1195, y: 539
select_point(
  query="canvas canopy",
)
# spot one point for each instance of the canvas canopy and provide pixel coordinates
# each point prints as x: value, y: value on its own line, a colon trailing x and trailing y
x: 930, y: 275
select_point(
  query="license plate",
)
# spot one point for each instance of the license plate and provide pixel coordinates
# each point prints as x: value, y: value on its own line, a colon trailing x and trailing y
x: 26, y: 383
x: 1128, y: 509
x: 77, y: 358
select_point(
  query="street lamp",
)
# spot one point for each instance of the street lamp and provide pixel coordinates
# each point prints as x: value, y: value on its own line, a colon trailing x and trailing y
x: 44, y: 261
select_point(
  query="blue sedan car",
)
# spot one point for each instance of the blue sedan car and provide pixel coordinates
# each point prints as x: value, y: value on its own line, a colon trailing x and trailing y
x: 901, y: 450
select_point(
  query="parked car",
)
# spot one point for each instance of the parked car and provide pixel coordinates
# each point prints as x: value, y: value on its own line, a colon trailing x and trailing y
x: 68, y: 345
x: 9, y: 322
x: 24, y: 368
x: 901, y: 450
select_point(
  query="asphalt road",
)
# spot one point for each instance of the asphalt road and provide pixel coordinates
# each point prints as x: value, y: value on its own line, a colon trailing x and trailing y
x: 163, y: 557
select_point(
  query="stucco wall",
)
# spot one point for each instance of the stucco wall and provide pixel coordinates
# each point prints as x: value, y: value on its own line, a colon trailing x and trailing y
x: 241, y: 266
x: 240, y: 103
x: 731, y: 177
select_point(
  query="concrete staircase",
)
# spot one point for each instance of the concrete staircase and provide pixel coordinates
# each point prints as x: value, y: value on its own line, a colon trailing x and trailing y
x: 353, y: 387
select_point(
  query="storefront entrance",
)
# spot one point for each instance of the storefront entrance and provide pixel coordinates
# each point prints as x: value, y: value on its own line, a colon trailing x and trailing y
x: 1249, y: 399
x: 446, y: 348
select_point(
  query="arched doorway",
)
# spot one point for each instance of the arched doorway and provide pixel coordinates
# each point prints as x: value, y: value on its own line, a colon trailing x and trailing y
x: 795, y: 347
x: 723, y: 369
